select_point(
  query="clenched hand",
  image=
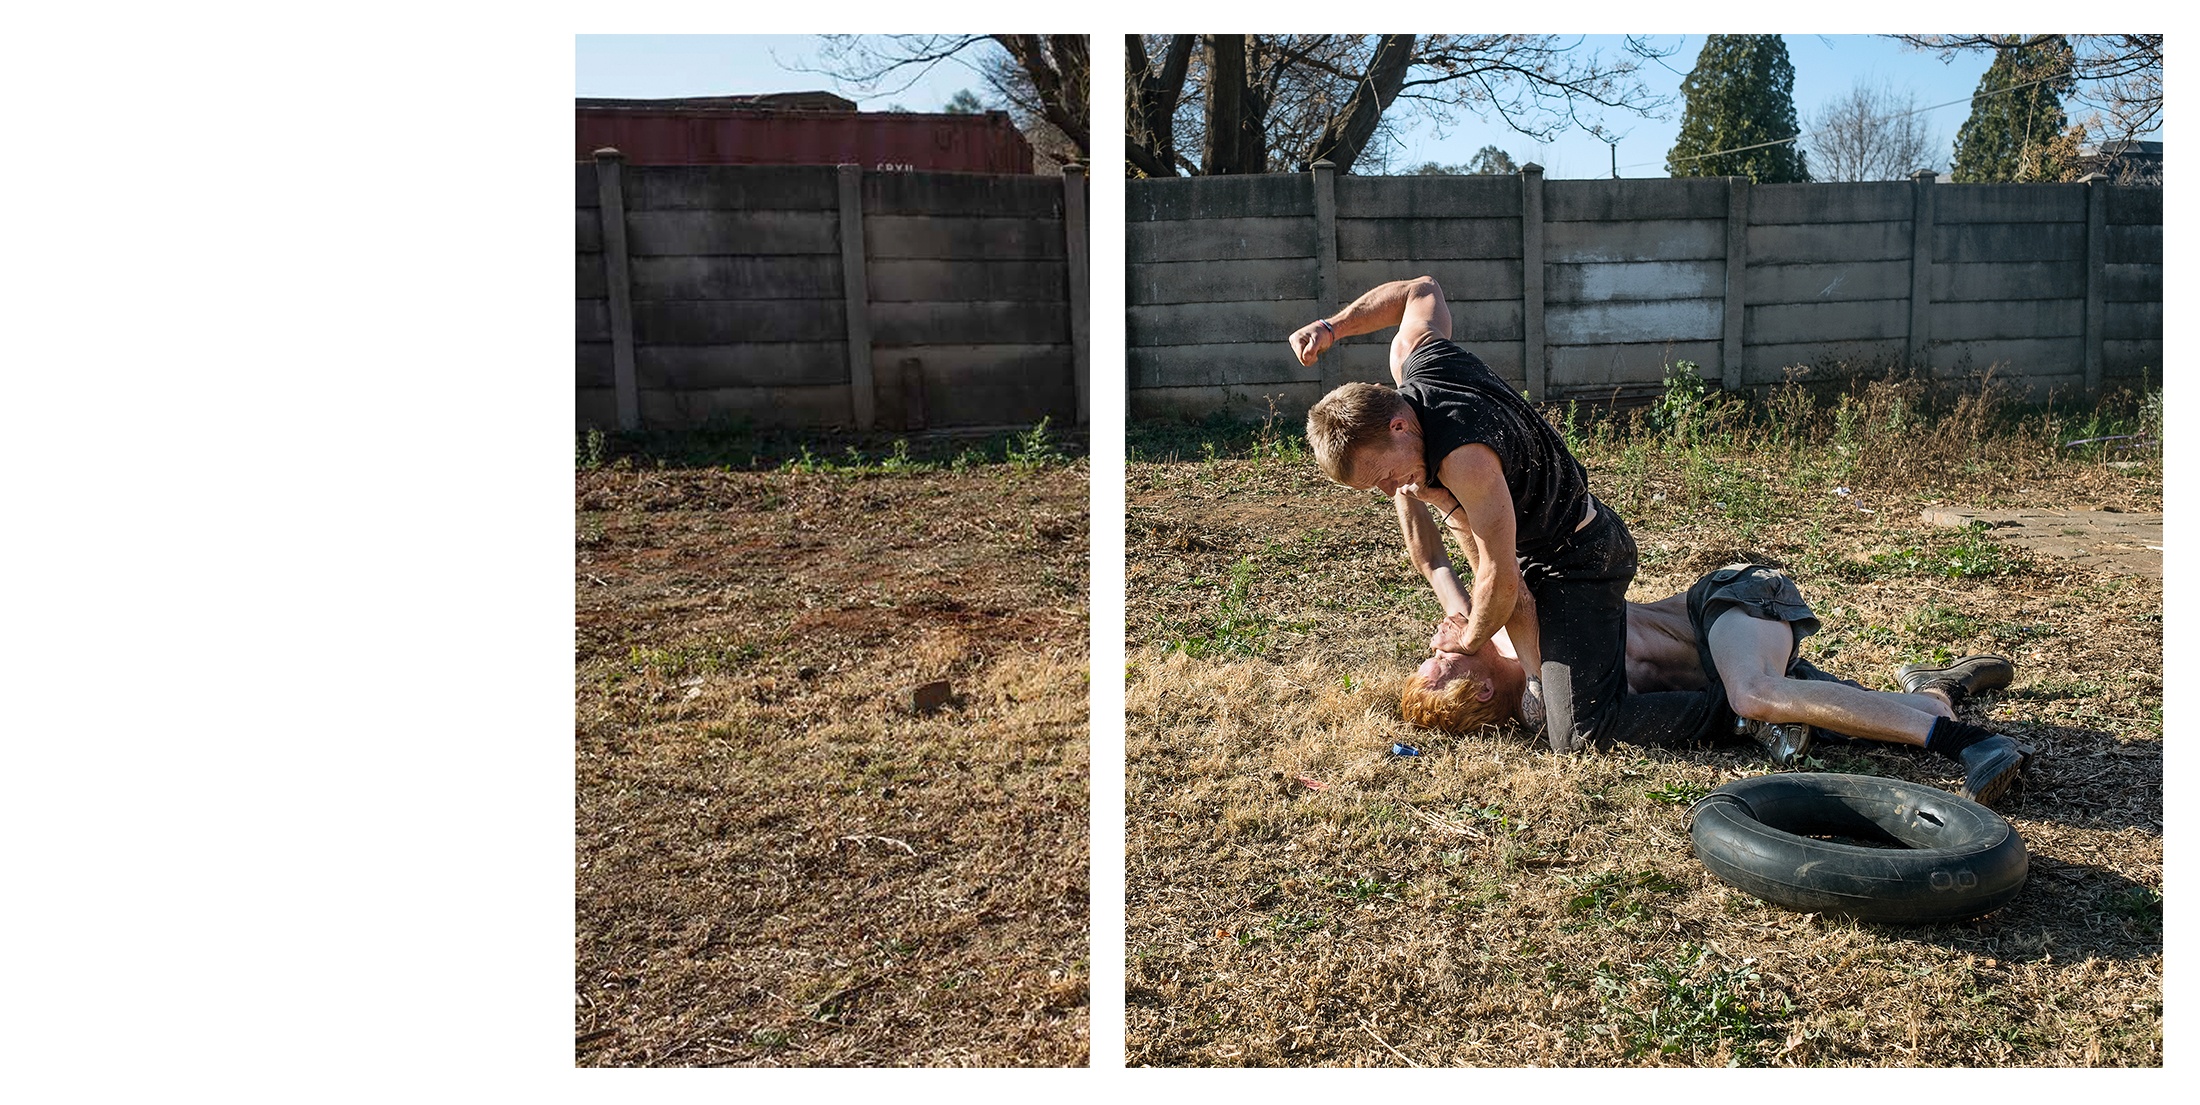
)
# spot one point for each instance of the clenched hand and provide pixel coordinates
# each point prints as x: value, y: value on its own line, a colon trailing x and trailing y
x: 1450, y: 635
x: 1310, y: 341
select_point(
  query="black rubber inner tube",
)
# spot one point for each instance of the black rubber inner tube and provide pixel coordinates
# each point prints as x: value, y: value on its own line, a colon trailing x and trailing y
x: 1938, y: 857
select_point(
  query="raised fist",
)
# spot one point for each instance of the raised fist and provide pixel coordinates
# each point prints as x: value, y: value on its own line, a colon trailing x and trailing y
x: 1310, y: 341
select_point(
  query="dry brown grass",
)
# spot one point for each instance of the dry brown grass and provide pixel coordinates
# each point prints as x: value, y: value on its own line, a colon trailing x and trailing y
x: 776, y: 863
x: 1487, y: 903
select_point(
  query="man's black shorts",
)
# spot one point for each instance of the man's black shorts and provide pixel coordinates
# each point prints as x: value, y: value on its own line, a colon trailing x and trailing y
x: 1758, y: 590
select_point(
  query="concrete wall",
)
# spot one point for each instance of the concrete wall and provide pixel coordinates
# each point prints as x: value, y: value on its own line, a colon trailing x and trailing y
x: 823, y: 297
x: 1588, y: 288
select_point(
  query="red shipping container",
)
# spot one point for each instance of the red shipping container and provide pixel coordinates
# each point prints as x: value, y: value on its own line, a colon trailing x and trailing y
x: 707, y: 131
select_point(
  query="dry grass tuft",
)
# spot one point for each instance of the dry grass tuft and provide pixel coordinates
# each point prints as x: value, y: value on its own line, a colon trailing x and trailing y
x: 1487, y: 903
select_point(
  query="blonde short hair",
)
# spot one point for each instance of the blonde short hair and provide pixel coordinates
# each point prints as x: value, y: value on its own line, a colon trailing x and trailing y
x: 1452, y: 707
x: 1346, y: 419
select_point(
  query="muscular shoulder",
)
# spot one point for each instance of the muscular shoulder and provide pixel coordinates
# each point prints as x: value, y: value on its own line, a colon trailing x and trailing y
x: 1428, y: 357
x: 1471, y: 465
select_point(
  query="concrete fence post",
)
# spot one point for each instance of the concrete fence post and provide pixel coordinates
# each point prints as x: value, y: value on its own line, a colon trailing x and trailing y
x: 1922, y: 184
x: 1737, y: 268
x: 1077, y: 250
x: 1330, y: 283
x: 1534, y: 368
x: 856, y: 290
x: 618, y: 289
x: 2096, y: 277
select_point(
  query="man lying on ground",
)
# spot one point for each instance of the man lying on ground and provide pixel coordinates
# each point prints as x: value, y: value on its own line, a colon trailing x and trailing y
x: 1734, y: 636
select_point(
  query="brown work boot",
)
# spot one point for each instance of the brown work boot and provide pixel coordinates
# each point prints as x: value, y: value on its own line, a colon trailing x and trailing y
x: 1958, y: 679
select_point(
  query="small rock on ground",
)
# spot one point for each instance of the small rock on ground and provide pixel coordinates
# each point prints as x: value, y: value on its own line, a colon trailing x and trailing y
x: 927, y: 697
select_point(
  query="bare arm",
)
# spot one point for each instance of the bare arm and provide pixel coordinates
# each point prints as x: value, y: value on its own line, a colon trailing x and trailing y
x: 1416, y: 307
x: 1521, y: 637
x: 1474, y: 475
x: 1425, y: 544
x: 1526, y: 634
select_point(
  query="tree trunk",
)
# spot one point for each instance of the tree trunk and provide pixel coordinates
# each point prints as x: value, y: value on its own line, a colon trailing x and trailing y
x: 1253, y: 125
x: 1225, y: 103
x: 1348, y: 133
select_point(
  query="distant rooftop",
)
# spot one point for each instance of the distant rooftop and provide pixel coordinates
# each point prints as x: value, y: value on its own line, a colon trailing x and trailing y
x: 2127, y: 146
x: 2126, y: 160
x: 763, y: 101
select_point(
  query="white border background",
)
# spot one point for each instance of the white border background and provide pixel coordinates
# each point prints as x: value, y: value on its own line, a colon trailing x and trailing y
x: 290, y: 795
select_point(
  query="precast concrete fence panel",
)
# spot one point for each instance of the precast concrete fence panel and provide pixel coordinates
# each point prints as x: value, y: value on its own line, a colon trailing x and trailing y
x: 1220, y: 269
x: 1588, y: 289
x: 826, y: 297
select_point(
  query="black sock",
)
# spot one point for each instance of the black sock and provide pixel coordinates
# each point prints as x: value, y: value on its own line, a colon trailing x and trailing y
x: 1954, y: 690
x: 1950, y: 737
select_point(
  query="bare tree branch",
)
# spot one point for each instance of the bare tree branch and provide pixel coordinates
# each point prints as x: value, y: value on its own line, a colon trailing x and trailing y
x: 1347, y: 134
x: 1341, y: 96
x: 873, y: 67
x: 1045, y: 80
x: 1872, y: 134
x: 1153, y: 94
x: 1059, y: 72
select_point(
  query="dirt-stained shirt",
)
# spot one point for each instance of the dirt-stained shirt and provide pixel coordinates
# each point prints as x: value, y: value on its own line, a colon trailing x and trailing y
x: 1461, y: 402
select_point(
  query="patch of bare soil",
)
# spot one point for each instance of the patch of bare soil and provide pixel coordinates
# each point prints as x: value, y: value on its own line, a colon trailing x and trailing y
x: 778, y: 860
x: 1296, y: 895
x: 2109, y: 541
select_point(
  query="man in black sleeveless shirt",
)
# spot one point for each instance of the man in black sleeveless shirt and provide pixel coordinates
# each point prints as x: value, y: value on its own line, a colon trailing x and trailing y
x: 1551, y: 564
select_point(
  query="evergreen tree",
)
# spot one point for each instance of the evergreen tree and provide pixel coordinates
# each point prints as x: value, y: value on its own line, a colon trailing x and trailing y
x: 1491, y: 161
x: 2018, y: 135
x: 1741, y: 93
x: 1488, y: 161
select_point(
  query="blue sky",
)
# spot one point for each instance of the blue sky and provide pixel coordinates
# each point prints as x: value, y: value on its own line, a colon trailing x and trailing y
x: 651, y: 66
x: 1827, y: 67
